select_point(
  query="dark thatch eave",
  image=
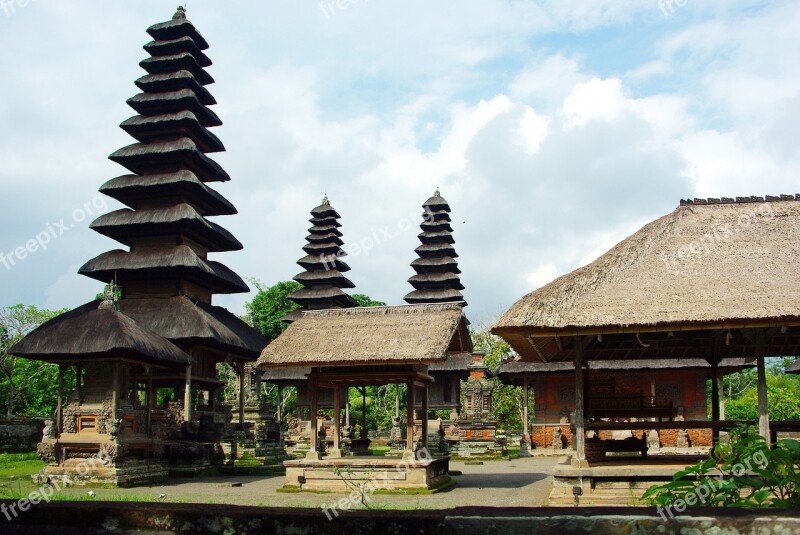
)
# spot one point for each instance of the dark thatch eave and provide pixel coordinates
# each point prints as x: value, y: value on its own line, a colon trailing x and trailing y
x: 90, y: 334
x: 325, y: 211
x: 311, y: 279
x: 443, y: 295
x: 331, y: 297
x: 425, y: 265
x: 176, y: 46
x: 370, y: 336
x: 149, y: 129
x: 133, y: 189
x: 174, y: 102
x: 437, y: 204
x: 188, y: 323
x: 175, y: 29
x: 126, y: 226
x: 178, y: 62
x: 179, y: 262
x: 456, y: 363
x: 142, y: 158
x: 174, y: 81
x: 320, y: 262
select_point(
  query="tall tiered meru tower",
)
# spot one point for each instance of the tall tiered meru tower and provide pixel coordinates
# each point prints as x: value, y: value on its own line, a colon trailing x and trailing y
x: 437, y: 279
x: 322, y: 279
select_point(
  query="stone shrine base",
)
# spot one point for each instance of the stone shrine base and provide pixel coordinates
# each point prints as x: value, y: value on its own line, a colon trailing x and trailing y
x: 93, y: 472
x: 384, y: 474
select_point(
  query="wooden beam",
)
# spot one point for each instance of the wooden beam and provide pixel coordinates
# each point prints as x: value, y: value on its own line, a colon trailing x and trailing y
x: 312, y: 385
x: 240, y: 366
x: 187, y: 395
x: 425, y: 417
x: 525, y: 428
x: 337, y: 420
x: 60, y: 406
x: 149, y: 400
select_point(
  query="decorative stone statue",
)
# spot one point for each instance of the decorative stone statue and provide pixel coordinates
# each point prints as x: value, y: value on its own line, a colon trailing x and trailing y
x: 564, y: 417
x: 680, y: 417
x: 558, y: 442
x: 113, y: 427
x: 49, y: 430
x: 653, y: 441
x: 683, y: 438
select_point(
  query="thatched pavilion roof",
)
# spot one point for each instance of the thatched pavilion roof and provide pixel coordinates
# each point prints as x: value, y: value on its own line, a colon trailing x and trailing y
x: 90, y: 334
x: 710, y: 264
x: 418, y: 334
x: 794, y: 368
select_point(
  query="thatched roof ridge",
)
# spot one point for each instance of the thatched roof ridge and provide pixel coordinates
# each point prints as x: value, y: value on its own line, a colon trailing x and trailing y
x: 437, y: 204
x: 90, y: 334
x: 172, y: 81
x: 376, y: 335
x: 131, y: 189
x: 702, y: 264
x: 455, y: 362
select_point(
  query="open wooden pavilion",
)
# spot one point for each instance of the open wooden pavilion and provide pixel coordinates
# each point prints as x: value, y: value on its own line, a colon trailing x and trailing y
x: 714, y: 279
x: 363, y: 347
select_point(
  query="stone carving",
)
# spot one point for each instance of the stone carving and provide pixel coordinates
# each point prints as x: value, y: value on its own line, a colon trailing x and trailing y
x: 558, y: 442
x: 49, y: 430
x: 113, y: 428
x: 396, y: 434
x: 565, y: 416
x: 683, y: 438
x: 71, y: 417
x: 668, y: 391
x: 680, y: 417
x: 653, y: 441
x: 47, y: 452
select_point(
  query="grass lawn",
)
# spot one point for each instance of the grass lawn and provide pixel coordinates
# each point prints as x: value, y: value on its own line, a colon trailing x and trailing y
x: 16, y: 470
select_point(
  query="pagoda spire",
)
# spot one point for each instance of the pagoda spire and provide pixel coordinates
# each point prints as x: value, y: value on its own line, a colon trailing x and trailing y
x: 436, y: 280
x: 322, y: 279
x: 165, y: 225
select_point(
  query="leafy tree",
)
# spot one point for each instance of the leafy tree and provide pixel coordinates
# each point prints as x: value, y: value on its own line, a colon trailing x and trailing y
x: 27, y: 387
x: 270, y: 305
x: 366, y: 301
x: 783, y: 392
x: 508, y: 400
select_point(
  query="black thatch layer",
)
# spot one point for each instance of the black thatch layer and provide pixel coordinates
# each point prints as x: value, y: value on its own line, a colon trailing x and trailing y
x: 146, y: 129
x: 180, y: 61
x: 323, y: 280
x: 127, y: 226
x: 174, y: 81
x: 89, y: 334
x: 176, y: 46
x: 189, y: 323
x: 133, y: 189
x: 437, y: 278
x: 180, y: 153
x: 174, y: 102
x: 176, y: 263
x: 175, y: 29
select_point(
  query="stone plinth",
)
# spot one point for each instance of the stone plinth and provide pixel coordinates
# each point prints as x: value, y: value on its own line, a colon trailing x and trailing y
x: 347, y: 474
x: 94, y: 472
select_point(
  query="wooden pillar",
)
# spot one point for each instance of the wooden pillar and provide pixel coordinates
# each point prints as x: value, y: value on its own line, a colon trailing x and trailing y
x: 187, y: 395
x: 337, y: 418
x: 580, y: 434
x: 313, y: 410
x: 279, y: 415
x: 525, y: 430
x: 149, y: 400
x: 425, y: 416
x: 721, y: 389
x: 364, y: 433
x: 397, y: 399
x: 60, y: 406
x: 79, y: 381
x: 715, y: 390
x: 347, y: 406
x: 242, y: 371
x: 763, y: 407
x: 410, y: 417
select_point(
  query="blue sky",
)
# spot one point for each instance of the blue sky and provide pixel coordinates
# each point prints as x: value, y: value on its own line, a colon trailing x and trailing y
x: 554, y: 128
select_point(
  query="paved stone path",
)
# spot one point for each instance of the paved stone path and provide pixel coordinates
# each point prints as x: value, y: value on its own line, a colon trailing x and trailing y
x: 521, y: 482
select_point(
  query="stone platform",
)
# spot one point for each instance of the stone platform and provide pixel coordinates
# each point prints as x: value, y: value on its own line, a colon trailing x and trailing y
x: 93, y: 472
x: 349, y: 473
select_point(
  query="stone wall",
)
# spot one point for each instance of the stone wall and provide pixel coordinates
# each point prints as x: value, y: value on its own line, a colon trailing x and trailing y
x: 20, y: 435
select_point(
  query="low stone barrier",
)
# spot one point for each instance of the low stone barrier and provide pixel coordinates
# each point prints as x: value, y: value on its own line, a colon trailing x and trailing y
x: 20, y: 435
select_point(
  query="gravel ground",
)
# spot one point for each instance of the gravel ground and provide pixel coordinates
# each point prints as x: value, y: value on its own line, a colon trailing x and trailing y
x: 521, y: 482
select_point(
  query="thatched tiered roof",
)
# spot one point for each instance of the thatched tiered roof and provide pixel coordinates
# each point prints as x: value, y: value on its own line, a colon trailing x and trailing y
x: 166, y: 227
x: 437, y: 278
x: 166, y: 277
x: 514, y: 371
x: 419, y: 334
x: 322, y: 279
x: 726, y: 265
